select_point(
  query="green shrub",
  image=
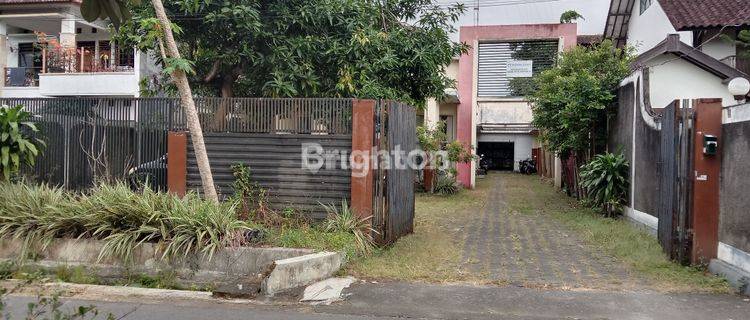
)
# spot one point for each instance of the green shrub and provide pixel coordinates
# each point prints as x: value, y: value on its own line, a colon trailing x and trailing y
x: 123, y: 219
x: 446, y: 184
x: 344, y: 219
x: 17, y: 146
x: 605, y: 180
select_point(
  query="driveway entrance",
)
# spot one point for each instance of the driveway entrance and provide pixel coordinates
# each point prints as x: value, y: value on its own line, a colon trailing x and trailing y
x: 513, y: 240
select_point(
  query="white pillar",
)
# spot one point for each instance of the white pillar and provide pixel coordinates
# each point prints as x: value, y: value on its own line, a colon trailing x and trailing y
x: 431, y: 113
x: 68, y: 41
x: 3, y: 50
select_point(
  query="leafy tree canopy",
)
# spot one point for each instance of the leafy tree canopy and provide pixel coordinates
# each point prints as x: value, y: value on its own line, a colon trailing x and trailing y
x: 393, y: 49
x: 570, y: 105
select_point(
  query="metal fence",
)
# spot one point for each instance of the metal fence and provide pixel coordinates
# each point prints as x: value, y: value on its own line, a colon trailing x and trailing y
x: 108, y: 139
x: 393, y: 210
x: 267, y: 135
x: 98, y: 139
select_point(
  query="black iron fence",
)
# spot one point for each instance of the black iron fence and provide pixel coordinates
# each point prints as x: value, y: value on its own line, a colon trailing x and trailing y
x: 98, y: 139
x: 93, y: 139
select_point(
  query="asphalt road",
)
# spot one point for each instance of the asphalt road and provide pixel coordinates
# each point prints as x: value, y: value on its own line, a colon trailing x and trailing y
x: 424, y: 301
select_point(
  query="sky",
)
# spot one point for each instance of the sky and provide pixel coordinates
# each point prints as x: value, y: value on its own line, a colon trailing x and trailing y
x: 492, y: 12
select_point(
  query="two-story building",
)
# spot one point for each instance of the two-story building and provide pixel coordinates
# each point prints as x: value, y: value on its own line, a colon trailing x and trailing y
x: 489, y: 110
x: 687, y: 46
x: 48, y: 50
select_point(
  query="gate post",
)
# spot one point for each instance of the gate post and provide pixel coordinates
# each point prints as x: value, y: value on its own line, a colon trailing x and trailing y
x: 707, y: 171
x: 177, y: 163
x: 363, y: 137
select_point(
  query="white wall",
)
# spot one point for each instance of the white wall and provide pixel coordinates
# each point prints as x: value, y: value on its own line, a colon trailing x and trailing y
x: 719, y: 48
x: 522, y: 144
x: 652, y: 27
x: 672, y: 78
x: 89, y: 84
x: 512, y: 111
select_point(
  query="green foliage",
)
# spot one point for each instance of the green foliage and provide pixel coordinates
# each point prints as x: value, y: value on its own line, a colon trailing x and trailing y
x: 606, y: 181
x: 446, y: 184
x: 123, y: 219
x: 17, y: 147
x: 431, y: 139
x: 570, y: 16
x: 344, y: 219
x: 77, y: 274
x: 7, y: 269
x: 253, y: 199
x: 48, y: 308
x: 115, y: 10
x: 365, y: 49
x: 571, y: 103
x: 458, y: 152
x: 742, y: 41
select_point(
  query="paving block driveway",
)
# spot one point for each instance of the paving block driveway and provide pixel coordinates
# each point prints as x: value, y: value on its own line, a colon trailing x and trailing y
x: 520, y: 245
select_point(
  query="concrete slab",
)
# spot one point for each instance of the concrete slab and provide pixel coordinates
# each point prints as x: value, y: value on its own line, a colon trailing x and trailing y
x: 737, y: 277
x: 326, y: 291
x: 301, y: 271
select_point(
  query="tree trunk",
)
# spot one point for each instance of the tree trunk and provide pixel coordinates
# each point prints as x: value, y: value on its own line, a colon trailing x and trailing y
x: 186, y: 98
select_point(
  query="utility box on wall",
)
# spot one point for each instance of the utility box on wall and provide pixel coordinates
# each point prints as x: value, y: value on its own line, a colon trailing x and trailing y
x: 710, y: 144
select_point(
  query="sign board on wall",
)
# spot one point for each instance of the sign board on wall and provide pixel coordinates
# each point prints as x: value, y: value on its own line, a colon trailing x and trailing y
x: 519, y: 69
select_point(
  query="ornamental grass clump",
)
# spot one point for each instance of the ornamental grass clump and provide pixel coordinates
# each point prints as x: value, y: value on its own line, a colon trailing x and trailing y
x: 119, y: 217
x: 605, y: 180
x: 344, y: 219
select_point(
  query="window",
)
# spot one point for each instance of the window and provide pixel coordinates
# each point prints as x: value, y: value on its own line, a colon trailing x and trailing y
x: 645, y: 4
x: 506, y: 69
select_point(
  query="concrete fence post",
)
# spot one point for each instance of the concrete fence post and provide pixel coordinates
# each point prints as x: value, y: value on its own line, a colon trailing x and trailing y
x: 363, y: 137
x: 177, y: 163
x: 706, y: 183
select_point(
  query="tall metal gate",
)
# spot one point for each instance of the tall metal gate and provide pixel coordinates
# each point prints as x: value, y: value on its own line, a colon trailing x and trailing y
x: 675, y: 180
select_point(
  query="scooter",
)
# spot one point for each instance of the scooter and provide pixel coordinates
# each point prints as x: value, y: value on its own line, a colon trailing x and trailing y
x: 527, y: 166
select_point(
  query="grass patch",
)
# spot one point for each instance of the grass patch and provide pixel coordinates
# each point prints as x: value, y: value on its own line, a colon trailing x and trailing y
x: 635, y: 248
x: 77, y: 274
x: 433, y: 252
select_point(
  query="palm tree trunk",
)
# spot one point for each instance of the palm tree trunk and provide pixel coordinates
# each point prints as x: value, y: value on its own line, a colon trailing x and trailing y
x: 186, y: 98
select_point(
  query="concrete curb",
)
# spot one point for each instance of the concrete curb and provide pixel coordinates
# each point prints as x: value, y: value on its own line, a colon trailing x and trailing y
x: 251, y: 269
x: 300, y: 271
x: 737, y: 277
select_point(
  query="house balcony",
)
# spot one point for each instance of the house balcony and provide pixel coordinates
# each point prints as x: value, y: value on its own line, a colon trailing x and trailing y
x: 54, y: 54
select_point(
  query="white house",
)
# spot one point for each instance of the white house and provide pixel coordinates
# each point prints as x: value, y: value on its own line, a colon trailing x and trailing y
x: 683, y: 46
x: 48, y: 50
x: 686, y: 50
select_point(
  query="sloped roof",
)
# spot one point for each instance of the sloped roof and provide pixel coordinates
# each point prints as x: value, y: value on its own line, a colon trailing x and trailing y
x: 673, y: 45
x: 683, y: 15
x: 698, y: 14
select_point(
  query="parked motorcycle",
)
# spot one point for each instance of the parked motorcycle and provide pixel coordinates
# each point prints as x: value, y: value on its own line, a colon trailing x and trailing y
x: 527, y: 166
x: 484, y: 165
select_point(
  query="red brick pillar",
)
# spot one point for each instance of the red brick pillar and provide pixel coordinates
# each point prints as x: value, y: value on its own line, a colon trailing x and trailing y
x: 706, y: 184
x: 177, y: 163
x: 363, y: 135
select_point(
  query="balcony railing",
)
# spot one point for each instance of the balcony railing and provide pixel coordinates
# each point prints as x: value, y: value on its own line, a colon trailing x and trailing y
x: 730, y: 61
x: 83, y: 60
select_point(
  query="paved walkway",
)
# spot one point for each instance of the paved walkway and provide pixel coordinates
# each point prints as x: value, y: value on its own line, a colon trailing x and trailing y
x: 530, y: 247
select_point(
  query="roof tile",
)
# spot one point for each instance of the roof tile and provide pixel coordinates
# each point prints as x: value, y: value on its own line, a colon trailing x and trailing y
x: 693, y: 14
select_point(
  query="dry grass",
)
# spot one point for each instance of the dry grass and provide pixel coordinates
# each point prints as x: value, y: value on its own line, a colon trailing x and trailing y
x: 433, y: 252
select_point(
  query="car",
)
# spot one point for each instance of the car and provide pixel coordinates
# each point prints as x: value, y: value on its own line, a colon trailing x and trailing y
x: 152, y: 174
